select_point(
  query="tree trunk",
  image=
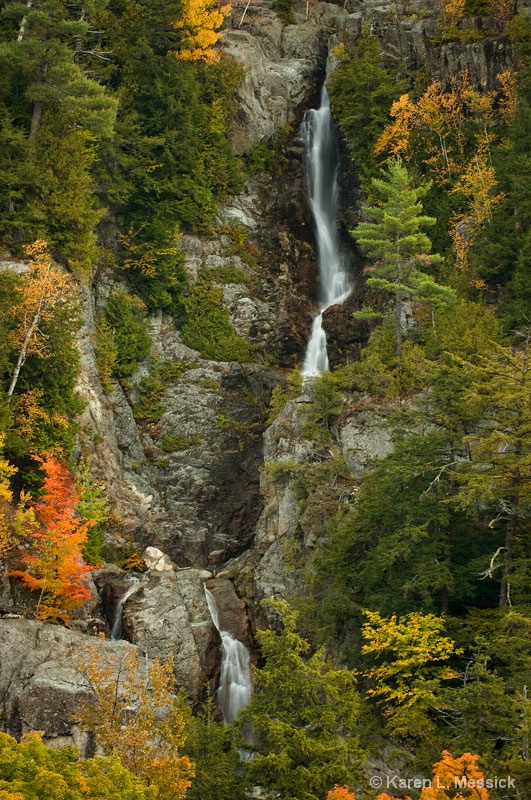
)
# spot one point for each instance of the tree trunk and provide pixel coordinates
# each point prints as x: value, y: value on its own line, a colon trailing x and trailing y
x: 23, y: 23
x: 398, y: 324
x: 38, y: 105
x: 505, y: 588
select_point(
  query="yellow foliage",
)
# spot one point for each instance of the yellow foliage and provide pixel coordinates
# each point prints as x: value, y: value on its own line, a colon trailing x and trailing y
x: 477, y: 184
x: 43, y: 288
x: 395, y: 137
x: 509, y: 102
x: 409, y: 655
x: 502, y: 10
x: 201, y: 20
x: 453, y: 11
x: 30, y: 416
x: 134, y: 713
x: 14, y: 519
x: 143, y: 256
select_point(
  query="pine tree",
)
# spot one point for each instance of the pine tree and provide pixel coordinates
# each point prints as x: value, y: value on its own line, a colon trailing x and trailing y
x: 304, y: 713
x: 393, y: 239
x: 497, y: 476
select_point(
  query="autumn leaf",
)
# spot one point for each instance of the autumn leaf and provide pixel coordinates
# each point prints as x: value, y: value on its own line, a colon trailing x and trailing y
x: 52, y: 562
x: 201, y: 20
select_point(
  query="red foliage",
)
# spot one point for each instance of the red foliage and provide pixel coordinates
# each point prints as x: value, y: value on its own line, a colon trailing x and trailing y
x: 53, y: 561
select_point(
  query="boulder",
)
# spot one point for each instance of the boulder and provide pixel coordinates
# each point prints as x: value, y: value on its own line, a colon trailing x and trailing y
x: 41, y: 684
x: 169, y: 616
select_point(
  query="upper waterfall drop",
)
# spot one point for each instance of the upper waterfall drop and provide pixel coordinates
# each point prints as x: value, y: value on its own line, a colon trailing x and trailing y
x: 322, y: 167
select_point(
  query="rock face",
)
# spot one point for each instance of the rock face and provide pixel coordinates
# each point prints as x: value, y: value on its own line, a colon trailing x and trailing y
x: 293, y: 520
x: 231, y: 609
x: 40, y: 681
x: 169, y: 616
x: 282, y: 66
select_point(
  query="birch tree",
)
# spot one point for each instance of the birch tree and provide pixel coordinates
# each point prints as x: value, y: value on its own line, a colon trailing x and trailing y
x: 43, y: 288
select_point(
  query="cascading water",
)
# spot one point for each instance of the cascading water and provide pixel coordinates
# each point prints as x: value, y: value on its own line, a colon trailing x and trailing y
x: 322, y: 165
x: 234, y: 692
x: 116, y: 627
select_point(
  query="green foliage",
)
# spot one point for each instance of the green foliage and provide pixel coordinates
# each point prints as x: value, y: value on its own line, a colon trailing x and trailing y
x: 175, y: 442
x: 379, y: 370
x: 106, y: 353
x: 127, y: 317
x: 208, y: 327
x: 326, y: 403
x: 285, y: 10
x: 150, y: 407
x: 259, y: 158
x: 304, y: 714
x: 393, y: 240
x: 225, y: 273
x: 497, y: 476
x: 501, y: 254
x: 211, y: 746
x: 49, y: 98
x: 93, y: 505
x: 282, y: 394
x: 30, y: 770
x: 361, y: 91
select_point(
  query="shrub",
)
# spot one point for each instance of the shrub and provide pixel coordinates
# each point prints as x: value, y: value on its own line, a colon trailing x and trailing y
x: 208, y: 327
x: 127, y: 317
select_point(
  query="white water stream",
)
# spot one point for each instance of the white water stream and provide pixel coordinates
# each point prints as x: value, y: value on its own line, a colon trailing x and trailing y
x: 322, y: 165
x: 234, y: 692
x: 116, y: 628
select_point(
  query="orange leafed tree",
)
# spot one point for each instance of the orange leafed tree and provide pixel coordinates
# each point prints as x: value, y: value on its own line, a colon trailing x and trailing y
x: 201, y: 21
x: 133, y: 712
x: 53, y: 562
x: 451, y: 774
x: 340, y: 793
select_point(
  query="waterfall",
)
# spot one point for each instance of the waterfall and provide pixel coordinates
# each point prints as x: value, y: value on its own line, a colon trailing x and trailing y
x: 234, y: 692
x: 116, y: 627
x: 322, y: 166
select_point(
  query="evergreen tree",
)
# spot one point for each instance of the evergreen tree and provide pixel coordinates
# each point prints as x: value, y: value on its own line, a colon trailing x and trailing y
x: 211, y: 746
x: 49, y: 98
x: 304, y: 714
x: 361, y: 90
x: 393, y: 238
x: 497, y: 476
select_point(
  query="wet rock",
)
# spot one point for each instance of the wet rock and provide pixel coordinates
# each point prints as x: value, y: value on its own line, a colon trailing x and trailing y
x: 231, y: 609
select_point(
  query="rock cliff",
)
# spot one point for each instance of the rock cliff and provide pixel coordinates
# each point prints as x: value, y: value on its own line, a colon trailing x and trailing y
x: 224, y: 500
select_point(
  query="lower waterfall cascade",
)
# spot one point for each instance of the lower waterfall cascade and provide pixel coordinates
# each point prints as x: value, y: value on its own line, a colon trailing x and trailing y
x: 234, y: 692
x: 322, y: 166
